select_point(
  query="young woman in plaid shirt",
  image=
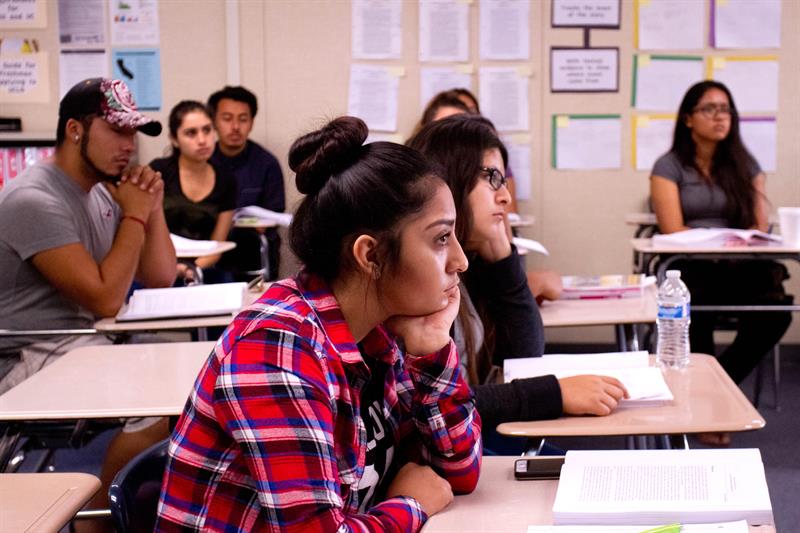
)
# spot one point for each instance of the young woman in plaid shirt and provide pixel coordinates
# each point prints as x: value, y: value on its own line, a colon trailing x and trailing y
x: 335, y: 402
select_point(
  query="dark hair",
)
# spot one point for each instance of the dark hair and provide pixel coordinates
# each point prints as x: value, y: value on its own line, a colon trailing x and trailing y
x: 731, y: 163
x: 460, y: 91
x: 353, y: 189
x: 443, y: 99
x: 457, y: 144
x: 61, y: 128
x: 238, y: 93
x: 181, y: 109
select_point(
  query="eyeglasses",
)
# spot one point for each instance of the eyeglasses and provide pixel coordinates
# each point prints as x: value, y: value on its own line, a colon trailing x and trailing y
x: 712, y: 110
x: 495, y: 177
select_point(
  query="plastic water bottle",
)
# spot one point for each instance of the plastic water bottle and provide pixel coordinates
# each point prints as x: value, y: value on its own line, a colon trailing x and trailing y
x: 673, y: 322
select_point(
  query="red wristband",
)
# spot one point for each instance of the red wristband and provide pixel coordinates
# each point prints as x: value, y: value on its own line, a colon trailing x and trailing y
x: 135, y: 219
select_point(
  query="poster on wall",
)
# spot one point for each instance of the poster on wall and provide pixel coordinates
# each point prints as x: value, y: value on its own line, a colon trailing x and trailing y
x: 760, y: 136
x: 519, y: 163
x: 745, y: 24
x: 652, y: 138
x: 753, y: 80
x: 81, y: 23
x: 669, y: 25
x: 504, y: 29
x: 133, y: 22
x: 140, y: 69
x: 660, y: 81
x: 585, y: 14
x: 24, y: 78
x: 22, y: 14
x: 373, y: 95
x: 586, y: 142
x: 504, y: 97
x: 77, y: 65
x: 433, y: 80
x: 376, y: 29
x: 443, y: 30
x: 577, y: 70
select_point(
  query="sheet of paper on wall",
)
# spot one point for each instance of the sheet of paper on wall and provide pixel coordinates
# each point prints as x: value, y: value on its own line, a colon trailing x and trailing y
x: 587, y: 142
x: 504, y: 30
x: 753, y: 81
x: 586, y: 13
x: 21, y: 14
x: 24, y: 78
x: 133, y: 22
x: 77, y: 65
x: 140, y: 69
x: 670, y: 25
x: 661, y: 81
x: 519, y: 161
x: 760, y: 136
x: 746, y: 24
x: 739, y: 526
x: 434, y: 80
x: 376, y: 29
x: 443, y: 30
x: 373, y: 96
x: 584, y: 69
x: 652, y: 139
x: 81, y: 23
x: 504, y: 97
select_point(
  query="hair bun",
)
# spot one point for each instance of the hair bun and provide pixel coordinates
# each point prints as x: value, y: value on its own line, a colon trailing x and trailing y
x: 318, y: 155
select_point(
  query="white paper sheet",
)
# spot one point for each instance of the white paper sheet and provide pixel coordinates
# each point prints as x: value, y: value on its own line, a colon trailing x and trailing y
x: 586, y: 13
x: 504, y: 97
x: 671, y: 25
x: 661, y: 81
x: 377, y: 29
x: 505, y: 29
x: 81, y: 23
x: 760, y: 136
x: 24, y: 78
x: 434, y: 80
x: 373, y: 96
x: 747, y: 23
x: 197, y: 300
x: 584, y: 69
x: 530, y: 245
x: 18, y: 14
x: 587, y: 143
x: 133, y: 22
x: 519, y: 160
x: 653, y: 139
x: 259, y: 213
x: 443, y: 30
x: 753, y: 82
x: 740, y: 526
x: 75, y: 66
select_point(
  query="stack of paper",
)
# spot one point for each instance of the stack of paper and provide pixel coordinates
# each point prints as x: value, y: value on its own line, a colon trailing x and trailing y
x: 197, y: 300
x: 715, y: 237
x: 259, y: 213
x: 645, y: 384
x: 662, y: 487
x: 608, y: 286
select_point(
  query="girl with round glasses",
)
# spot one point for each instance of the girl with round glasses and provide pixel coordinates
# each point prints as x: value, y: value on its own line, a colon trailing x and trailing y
x: 708, y: 179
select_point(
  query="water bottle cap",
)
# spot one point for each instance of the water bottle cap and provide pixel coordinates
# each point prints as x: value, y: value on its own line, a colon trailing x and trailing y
x: 673, y: 274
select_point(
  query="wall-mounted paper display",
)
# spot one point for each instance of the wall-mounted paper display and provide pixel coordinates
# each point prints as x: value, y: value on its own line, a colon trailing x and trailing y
x: 77, y: 65
x: 760, y: 136
x: 133, y: 22
x: 81, y: 23
x: 21, y: 14
x: 443, y: 30
x: 660, y: 81
x: 140, y: 69
x: 669, y: 24
x: 584, y: 70
x: 434, y: 80
x: 585, y: 14
x: 24, y: 78
x: 753, y: 80
x: 504, y: 97
x: 745, y: 24
x: 519, y: 161
x: 505, y: 29
x: 373, y: 96
x: 586, y: 142
x: 376, y: 29
x: 652, y: 138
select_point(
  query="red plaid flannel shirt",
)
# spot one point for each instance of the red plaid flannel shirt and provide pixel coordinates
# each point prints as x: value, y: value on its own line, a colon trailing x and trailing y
x: 271, y: 438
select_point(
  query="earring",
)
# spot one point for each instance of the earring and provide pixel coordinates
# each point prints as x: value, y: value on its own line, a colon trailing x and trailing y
x: 77, y: 138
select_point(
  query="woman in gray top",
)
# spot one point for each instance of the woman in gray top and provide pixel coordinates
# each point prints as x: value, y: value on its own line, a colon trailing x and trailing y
x: 709, y: 179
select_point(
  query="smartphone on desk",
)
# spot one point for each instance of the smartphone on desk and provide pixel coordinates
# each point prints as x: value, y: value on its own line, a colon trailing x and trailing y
x: 538, y: 467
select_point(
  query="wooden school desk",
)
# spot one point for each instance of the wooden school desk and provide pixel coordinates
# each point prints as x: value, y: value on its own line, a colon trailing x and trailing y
x: 43, y: 503
x: 706, y: 399
x: 622, y: 313
x: 501, y: 504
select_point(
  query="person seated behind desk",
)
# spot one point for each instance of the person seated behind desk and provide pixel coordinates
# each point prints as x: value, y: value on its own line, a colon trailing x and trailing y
x: 336, y: 402
x: 199, y: 196
x: 499, y: 318
x: 258, y: 176
x: 708, y: 179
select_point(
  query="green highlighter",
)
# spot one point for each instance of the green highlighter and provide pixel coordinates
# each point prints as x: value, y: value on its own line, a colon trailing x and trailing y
x: 669, y: 528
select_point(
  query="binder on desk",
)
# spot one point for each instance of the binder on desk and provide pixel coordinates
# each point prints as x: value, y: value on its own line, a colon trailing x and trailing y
x: 182, y: 302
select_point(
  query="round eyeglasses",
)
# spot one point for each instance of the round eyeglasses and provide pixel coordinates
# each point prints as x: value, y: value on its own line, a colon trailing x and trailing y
x: 494, y: 177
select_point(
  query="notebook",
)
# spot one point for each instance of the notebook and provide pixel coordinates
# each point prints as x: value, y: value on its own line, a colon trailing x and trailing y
x: 175, y: 302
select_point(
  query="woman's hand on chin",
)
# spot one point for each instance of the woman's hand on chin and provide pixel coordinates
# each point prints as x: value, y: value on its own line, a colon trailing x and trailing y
x: 426, y: 334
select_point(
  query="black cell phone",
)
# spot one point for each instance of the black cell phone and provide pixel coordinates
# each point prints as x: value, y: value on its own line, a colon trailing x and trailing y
x: 538, y: 467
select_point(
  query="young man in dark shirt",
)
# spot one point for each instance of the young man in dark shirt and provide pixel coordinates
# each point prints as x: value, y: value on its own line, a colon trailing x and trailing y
x: 258, y: 174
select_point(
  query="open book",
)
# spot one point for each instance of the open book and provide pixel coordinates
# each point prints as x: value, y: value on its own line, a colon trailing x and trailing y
x: 259, y: 213
x: 608, y: 286
x: 715, y: 237
x: 662, y: 487
x: 197, y: 300
x: 645, y: 383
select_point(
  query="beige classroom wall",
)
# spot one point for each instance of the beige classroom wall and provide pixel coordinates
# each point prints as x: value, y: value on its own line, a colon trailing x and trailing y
x: 295, y: 55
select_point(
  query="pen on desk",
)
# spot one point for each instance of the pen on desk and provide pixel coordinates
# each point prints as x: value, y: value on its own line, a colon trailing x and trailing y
x: 669, y: 528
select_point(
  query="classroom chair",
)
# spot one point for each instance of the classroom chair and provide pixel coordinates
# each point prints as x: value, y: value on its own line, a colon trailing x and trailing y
x: 133, y: 495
